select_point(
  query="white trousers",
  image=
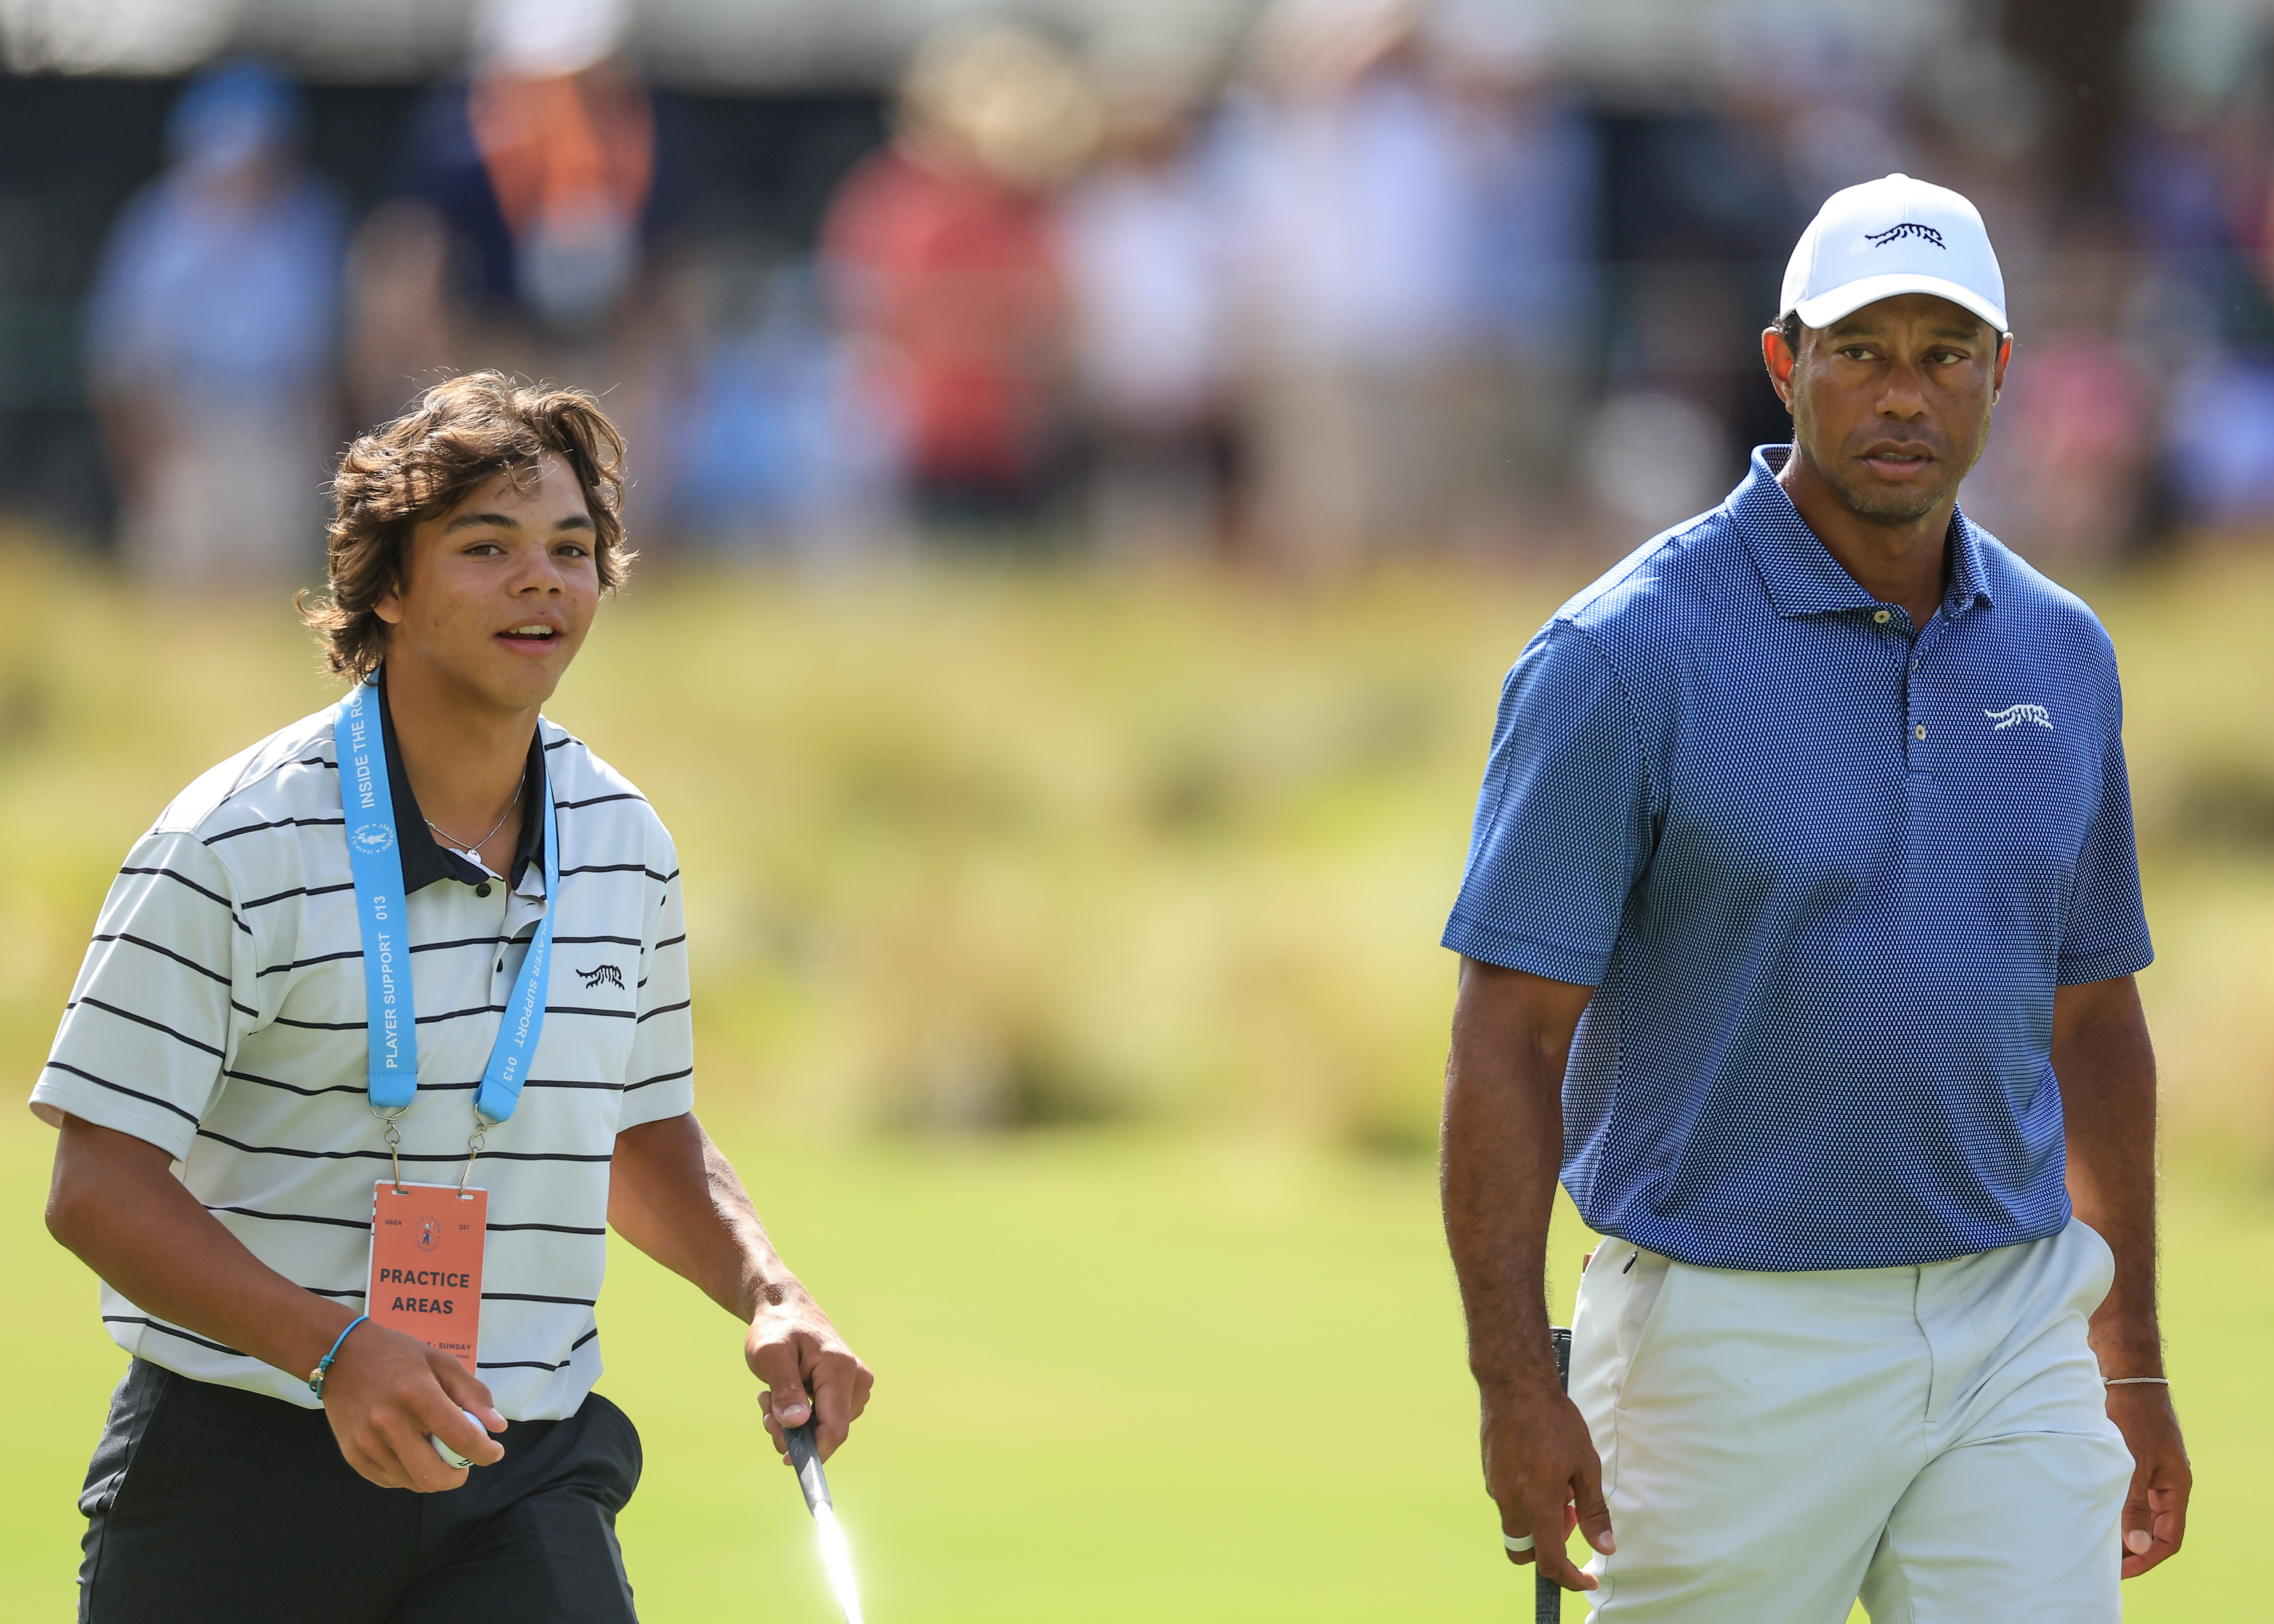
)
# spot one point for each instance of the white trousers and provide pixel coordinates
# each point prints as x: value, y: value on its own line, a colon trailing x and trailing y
x: 1932, y: 1439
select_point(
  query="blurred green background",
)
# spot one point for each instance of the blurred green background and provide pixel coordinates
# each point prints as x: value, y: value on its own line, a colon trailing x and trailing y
x: 1068, y: 995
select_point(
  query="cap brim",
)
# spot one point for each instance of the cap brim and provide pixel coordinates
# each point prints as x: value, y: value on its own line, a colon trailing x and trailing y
x: 1834, y: 303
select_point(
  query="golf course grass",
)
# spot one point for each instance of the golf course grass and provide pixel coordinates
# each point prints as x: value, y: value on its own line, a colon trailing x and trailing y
x: 1121, y: 1378
x: 1067, y: 993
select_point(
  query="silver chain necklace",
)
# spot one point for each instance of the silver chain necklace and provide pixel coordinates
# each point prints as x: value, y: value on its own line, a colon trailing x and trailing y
x: 475, y: 849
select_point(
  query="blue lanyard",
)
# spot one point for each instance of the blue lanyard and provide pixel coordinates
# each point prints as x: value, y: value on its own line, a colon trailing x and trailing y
x: 375, y: 859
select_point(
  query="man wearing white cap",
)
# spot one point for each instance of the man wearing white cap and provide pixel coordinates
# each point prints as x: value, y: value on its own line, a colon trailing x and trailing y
x: 1797, y: 936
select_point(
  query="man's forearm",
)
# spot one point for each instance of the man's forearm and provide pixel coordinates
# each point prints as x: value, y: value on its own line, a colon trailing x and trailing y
x: 1502, y: 1149
x: 673, y: 1194
x: 2107, y: 1071
x: 115, y: 1202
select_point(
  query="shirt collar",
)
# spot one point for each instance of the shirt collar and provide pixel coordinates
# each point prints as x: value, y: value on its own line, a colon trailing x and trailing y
x: 1803, y: 577
x: 424, y: 859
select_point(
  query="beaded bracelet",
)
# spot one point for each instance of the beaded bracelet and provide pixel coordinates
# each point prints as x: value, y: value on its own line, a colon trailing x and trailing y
x: 2136, y: 1381
x: 316, y: 1376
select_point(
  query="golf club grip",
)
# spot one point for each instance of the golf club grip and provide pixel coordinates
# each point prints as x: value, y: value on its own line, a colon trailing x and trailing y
x: 1546, y: 1595
x: 805, y: 1455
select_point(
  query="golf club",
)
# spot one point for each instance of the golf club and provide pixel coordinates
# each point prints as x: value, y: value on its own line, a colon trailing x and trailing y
x: 1546, y: 1595
x: 836, y: 1558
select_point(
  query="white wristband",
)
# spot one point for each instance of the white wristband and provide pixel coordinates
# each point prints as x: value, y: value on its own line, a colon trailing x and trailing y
x: 1516, y: 1542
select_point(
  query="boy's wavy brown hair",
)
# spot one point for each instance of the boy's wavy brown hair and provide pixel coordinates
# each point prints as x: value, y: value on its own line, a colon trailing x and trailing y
x: 462, y: 432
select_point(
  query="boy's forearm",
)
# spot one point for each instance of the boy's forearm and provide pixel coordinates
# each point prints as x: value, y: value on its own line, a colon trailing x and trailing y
x: 115, y: 1202
x: 673, y: 1194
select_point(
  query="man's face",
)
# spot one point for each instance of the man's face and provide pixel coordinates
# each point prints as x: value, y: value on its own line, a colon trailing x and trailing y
x: 499, y: 591
x: 1891, y: 403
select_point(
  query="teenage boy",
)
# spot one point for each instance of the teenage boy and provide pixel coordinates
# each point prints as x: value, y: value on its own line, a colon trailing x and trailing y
x: 384, y: 1021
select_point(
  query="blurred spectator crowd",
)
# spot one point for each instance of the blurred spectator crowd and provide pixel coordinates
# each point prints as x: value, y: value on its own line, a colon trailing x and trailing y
x: 1390, y: 277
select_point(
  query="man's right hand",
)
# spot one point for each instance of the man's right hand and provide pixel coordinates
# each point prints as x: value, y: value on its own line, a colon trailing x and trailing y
x: 386, y: 1392
x: 1541, y: 1470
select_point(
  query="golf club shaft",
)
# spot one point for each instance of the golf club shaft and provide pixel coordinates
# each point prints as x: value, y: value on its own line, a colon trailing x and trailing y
x: 805, y: 1455
x: 1546, y: 1595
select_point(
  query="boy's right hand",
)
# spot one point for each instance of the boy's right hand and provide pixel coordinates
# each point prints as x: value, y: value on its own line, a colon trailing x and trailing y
x: 386, y: 1392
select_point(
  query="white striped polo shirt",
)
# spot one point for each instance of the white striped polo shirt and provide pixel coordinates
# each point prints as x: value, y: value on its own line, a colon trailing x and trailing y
x: 220, y: 1016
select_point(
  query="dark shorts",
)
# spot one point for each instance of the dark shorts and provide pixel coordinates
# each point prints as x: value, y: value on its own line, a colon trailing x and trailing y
x: 208, y: 1505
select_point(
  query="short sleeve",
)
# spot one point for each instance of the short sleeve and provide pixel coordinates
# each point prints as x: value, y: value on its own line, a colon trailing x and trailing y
x: 152, y: 1019
x: 1564, y: 823
x: 659, y: 1081
x: 2106, y: 932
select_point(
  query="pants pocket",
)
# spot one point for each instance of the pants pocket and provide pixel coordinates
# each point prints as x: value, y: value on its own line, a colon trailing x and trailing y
x: 613, y: 1445
x: 1638, y: 1314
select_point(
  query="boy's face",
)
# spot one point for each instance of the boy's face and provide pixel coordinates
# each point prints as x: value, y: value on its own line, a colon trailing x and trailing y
x: 498, y: 591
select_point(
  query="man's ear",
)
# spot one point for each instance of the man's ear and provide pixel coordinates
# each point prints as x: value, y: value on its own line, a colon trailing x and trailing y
x: 1997, y: 371
x: 1777, y: 355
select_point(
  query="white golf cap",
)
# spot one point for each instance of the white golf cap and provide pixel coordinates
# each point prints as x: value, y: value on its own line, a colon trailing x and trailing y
x: 1893, y: 236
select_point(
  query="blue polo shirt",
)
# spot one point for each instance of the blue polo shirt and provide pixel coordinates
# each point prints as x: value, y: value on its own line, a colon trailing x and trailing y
x: 1824, y: 870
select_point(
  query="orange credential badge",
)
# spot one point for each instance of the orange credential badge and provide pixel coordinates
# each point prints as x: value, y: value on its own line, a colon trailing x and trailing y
x: 427, y: 1264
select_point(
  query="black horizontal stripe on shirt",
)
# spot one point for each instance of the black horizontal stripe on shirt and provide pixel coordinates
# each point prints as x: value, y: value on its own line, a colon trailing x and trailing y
x: 424, y: 1088
x: 160, y: 1325
x: 277, y: 823
x: 671, y: 942
x: 365, y: 1223
x: 427, y: 1087
x: 540, y: 1363
x: 587, y: 941
x: 328, y: 1291
x: 594, y: 801
x: 440, y: 947
x: 424, y: 1020
x: 423, y: 947
x: 535, y: 1297
x: 121, y: 936
x: 665, y: 1077
x: 563, y: 739
x: 302, y: 964
x: 382, y: 1155
x: 479, y: 1009
x: 306, y: 1094
x: 254, y: 1212
x: 143, y: 1020
x: 621, y: 868
x: 185, y: 880
x: 132, y: 1094
x: 665, y: 1009
x: 578, y: 1009
x: 299, y: 891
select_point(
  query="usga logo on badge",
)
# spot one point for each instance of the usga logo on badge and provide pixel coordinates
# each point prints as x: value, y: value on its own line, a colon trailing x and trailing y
x: 429, y: 1232
x: 372, y: 837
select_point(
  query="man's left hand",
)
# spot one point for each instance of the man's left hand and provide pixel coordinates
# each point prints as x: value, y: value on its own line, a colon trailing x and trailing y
x: 809, y: 1371
x: 2156, y: 1508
